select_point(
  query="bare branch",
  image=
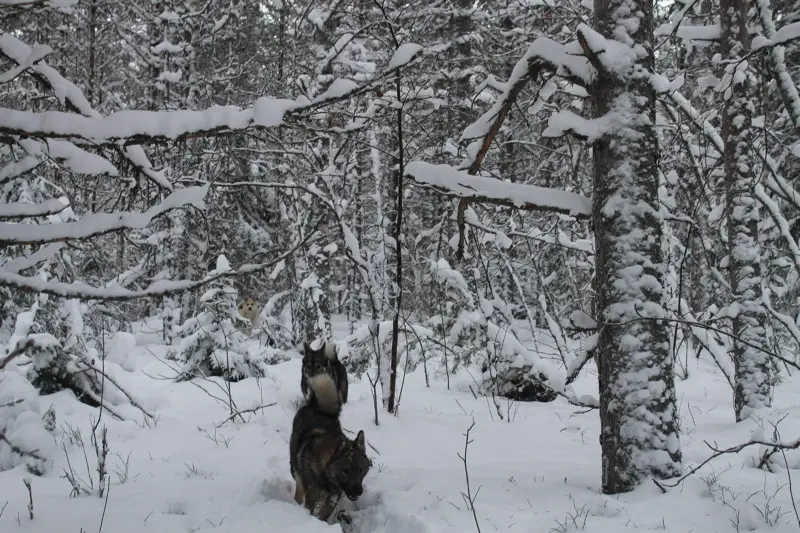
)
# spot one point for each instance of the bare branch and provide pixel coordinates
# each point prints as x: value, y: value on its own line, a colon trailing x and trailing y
x: 791, y: 445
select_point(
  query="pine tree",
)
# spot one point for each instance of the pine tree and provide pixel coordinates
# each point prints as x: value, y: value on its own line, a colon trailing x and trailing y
x: 213, y: 343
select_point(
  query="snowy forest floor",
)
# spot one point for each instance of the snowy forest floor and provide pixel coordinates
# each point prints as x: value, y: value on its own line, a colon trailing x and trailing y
x: 538, y: 470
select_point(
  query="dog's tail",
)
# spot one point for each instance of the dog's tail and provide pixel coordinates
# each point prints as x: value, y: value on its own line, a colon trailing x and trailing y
x: 325, y: 395
x: 330, y: 351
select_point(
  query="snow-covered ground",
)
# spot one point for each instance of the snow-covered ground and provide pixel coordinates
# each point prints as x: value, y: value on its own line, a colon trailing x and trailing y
x: 538, y: 470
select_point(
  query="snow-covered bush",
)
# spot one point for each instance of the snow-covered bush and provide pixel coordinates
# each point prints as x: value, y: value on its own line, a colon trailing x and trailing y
x: 70, y: 361
x: 23, y: 436
x: 121, y: 347
x: 212, y: 343
x: 457, y: 321
x: 276, y: 321
x: 478, y: 331
x: 75, y: 362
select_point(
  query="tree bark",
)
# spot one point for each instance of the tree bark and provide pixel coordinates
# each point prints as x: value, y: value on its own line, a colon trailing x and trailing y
x: 751, y: 365
x: 638, y: 413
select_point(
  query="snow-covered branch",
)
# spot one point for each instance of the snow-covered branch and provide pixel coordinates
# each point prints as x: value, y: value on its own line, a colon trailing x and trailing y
x: 27, y: 4
x: 542, y: 55
x: 70, y: 94
x: 774, y: 39
x: 44, y: 253
x: 25, y: 210
x: 608, y: 56
x: 134, y: 127
x: 775, y: 182
x: 489, y: 190
x: 139, y: 127
x: 16, y: 449
x: 19, y: 349
x: 85, y: 291
x: 16, y: 169
x: 70, y: 156
x: 96, y: 224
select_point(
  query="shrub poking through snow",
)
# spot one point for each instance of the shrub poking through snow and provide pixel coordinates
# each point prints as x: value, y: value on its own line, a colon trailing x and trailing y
x: 211, y: 343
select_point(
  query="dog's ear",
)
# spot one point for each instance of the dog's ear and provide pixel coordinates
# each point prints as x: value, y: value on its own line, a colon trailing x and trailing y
x: 360, y: 440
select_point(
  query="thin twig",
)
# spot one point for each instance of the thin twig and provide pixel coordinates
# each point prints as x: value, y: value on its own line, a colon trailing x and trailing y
x: 468, y: 496
x: 105, y: 506
x: 245, y: 411
x: 788, y: 474
x: 27, y: 482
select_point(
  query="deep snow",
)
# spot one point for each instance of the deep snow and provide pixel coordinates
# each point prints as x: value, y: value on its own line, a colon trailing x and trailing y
x: 538, y: 470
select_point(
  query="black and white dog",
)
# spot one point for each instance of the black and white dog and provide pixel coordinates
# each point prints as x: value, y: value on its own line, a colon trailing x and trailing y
x: 323, y: 360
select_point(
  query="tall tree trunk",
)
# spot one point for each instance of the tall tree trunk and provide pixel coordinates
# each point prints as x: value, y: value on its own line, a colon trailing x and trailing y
x: 751, y: 365
x: 397, y: 237
x: 638, y: 414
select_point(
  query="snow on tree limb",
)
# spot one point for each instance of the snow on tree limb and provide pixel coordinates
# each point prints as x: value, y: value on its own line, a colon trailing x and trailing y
x: 71, y: 156
x: 132, y: 127
x: 21, y: 347
x: 96, y: 224
x: 773, y: 37
x: 712, y: 32
x: 16, y: 169
x: 608, y: 56
x: 85, y: 291
x: 786, y: 86
x: 698, y: 33
x: 69, y: 93
x: 404, y: 54
x: 717, y: 452
x: 494, y: 191
x: 542, y: 55
x: 36, y: 54
x: 780, y: 222
x: 137, y: 127
x: 775, y: 182
x: 592, y: 130
x: 670, y: 28
x: 44, y: 253
x: 27, y: 4
x: 25, y: 209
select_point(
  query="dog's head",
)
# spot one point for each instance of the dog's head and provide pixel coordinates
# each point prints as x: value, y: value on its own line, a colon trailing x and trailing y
x: 248, y: 306
x: 315, y: 361
x: 351, y: 465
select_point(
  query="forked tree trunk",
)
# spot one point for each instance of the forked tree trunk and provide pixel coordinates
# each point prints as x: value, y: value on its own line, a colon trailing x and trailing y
x: 638, y: 414
x: 751, y: 365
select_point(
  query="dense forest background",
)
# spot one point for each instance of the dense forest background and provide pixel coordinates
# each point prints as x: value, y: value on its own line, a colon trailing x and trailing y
x: 445, y: 177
